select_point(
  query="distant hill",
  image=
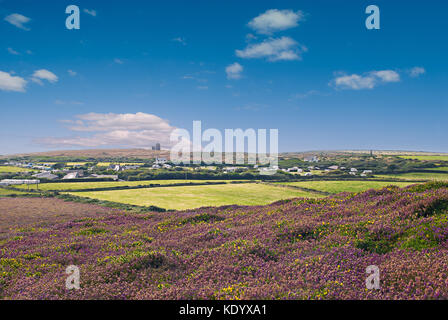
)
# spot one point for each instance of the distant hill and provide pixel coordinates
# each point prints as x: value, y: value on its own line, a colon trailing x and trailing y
x: 99, y: 153
x: 150, y: 154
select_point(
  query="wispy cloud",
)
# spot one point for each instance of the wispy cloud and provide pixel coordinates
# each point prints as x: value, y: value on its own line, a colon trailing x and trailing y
x: 234, y: 71
x: 118, y: 61
x: 274, y: 49
x: 90, y: 12
x: 12, y: 51
x: 44, y: 74
x: 276, y: 20
x: 110, y: 129
x: 416, y: 72
x: 72, y: 73
x: 307, y: 94
x: 11, y: 83
x: 368, y: 80
x: 18, y: 20
x: 180, y: 40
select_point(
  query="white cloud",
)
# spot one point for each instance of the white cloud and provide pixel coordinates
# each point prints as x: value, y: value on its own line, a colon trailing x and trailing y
x: 72, y: 73
x: 90, y: 12
x: 250, y: 37
x: 12, y: 51
x: 11, y: 83
x: 387, y: 75
x: 38, y: 81
x: 180, y: 40
x: 118, y: 61
x: 234, y: 71
x: 127, y: 130
x: 355, y: 82
x: 416, y: 72
x: 368, y: 80
x: 274, y: 49
x: 43, y: 74
x: 276, y: 20
x: 18, y: 20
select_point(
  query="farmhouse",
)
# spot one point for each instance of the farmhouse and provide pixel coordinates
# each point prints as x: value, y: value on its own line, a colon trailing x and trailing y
x: 115, y: 167
x: 72, y: 175
x: 46, y: 175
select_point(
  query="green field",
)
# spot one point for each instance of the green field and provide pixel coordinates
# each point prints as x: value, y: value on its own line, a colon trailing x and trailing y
x: 427, y: 158
x: 108, y: 184
x: 415, y: 176
x: 12, y: 169
x: 6, y: 192
x: 343, y: 186
x: 439, y: 169
x: 189, y: 197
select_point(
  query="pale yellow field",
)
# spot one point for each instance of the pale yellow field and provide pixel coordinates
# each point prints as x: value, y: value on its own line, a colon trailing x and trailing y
x: 189, y: 197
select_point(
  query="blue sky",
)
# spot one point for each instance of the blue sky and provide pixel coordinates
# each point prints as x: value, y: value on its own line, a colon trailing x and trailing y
x: 135, y: 70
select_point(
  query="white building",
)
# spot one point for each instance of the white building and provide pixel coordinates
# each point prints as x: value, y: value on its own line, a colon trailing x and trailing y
x: 8, y: 182
x: 161, y: 161
x: 71, y: 175
x: 311, y: 159
x: 353, y: 170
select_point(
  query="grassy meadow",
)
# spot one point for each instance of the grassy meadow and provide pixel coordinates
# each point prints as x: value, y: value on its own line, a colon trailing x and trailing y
x: 416, y: 176
x: 6, y: 192
x: 189, y: 197
x: 427, y: 158
x: 61, y: 186
x: 343, y: 186
x: 12, y: 169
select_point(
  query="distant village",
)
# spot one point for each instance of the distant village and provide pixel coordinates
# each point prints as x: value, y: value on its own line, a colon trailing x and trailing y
x: 42, y: 171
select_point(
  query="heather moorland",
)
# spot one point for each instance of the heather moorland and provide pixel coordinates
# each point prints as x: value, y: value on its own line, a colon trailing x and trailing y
x: 292, y: 249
